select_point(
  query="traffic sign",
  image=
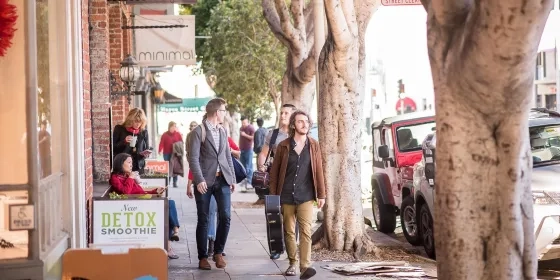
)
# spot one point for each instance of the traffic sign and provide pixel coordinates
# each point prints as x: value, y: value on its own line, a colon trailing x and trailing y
x: 400, y: 2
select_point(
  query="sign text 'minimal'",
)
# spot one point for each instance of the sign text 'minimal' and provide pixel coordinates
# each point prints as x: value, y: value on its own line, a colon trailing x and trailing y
x: 166, y: 55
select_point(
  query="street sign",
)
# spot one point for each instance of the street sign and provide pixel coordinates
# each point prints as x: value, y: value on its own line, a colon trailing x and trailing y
x: 400, y: 2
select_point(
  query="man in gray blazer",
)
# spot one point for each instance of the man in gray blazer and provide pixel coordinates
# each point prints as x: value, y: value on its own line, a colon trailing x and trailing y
x: 214, y: 175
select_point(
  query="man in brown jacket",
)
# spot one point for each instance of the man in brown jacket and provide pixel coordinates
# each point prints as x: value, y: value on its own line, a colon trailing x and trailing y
x: 297, y: 176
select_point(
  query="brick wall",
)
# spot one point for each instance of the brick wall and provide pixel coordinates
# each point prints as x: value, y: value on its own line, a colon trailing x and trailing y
x: 119, y: 46
x: 100, y: 100
x: 87, y: 109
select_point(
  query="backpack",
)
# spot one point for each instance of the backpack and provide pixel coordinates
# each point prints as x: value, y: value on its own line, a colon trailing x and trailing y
x: 202, y: 137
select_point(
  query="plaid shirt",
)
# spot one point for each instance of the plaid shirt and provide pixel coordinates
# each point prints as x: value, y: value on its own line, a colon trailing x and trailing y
x: 215, y: 131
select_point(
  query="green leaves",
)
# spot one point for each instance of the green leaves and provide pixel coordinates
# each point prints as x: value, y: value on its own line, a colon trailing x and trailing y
x: 244, y: 55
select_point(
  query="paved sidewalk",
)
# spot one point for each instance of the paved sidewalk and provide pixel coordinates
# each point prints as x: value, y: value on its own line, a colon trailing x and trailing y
x: 247, y: 250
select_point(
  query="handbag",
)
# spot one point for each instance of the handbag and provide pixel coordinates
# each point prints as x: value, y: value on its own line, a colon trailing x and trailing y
x: 260, y: 179
x: 240, y: 172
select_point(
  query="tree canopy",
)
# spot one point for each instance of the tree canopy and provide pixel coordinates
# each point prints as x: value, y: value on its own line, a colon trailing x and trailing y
x: 245, y: 56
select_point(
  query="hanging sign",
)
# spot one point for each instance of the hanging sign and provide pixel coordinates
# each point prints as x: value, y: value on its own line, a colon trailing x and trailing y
x: 165, y: 46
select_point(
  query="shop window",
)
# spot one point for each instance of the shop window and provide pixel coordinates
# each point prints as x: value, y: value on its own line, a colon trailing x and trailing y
x: 49, y: 92
x: 13, y: 244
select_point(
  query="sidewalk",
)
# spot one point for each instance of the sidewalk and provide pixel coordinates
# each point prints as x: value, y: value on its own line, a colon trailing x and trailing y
x: 247, y: 250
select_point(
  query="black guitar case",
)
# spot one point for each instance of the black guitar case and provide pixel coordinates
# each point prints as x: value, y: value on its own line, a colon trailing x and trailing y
x: 274, y: 226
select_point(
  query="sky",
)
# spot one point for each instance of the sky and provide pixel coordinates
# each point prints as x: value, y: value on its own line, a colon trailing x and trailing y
x: 397, y: 36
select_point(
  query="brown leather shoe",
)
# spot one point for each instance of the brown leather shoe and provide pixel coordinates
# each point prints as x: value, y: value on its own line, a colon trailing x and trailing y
x: 204, y: 264
x: 220, y: 262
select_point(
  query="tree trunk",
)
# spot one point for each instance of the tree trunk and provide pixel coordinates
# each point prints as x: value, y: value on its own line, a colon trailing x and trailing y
x: 482, y: 61
x: 342, y: 87
x: 297, y: 93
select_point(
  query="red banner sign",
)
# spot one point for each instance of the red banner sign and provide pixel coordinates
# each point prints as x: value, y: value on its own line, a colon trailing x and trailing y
x: 400, y: 2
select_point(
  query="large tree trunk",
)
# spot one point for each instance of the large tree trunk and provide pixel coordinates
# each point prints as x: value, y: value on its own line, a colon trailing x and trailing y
x: 294, y: 28
x: 341, y: 94
x: 482, y: 56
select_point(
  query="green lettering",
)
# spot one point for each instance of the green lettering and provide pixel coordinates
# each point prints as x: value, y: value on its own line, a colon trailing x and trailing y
x: 116, y: 219
x: 139, y: 219
x: 105, y: 220
x: 151, y: 221
x: 128, y: 215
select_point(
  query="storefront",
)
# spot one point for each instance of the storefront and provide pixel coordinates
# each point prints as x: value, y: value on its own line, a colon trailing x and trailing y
x: 42, y: 196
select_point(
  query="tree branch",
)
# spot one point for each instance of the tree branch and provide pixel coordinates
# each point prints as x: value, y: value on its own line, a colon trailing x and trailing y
x: 366, y: 8
x: 337, y: 23
x: 287, y: 27
x: 273, y: 20
x: 296, y: 8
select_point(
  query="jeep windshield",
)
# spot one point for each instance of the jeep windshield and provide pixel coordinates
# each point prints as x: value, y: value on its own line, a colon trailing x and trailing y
x: 410, y: 137
x: 545, y: 143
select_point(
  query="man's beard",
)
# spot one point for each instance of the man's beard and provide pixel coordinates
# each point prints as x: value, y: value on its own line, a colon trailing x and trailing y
x: 301, y: 132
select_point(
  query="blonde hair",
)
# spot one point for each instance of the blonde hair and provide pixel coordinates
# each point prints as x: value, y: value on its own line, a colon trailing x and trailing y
x: 135, y: 115
x: 171, y: 124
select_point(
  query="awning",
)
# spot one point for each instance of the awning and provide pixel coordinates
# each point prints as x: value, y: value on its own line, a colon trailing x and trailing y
x: 187, y: 105
x: 171, y: 99
x: 408, y: 103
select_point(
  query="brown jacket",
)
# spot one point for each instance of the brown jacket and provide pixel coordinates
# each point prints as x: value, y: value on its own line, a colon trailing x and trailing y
x: 280, y: 163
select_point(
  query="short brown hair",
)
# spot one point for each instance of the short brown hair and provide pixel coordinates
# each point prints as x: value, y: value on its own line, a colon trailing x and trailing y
x: 135, y: 115
x: 214, y: 105
x: 292, y: 127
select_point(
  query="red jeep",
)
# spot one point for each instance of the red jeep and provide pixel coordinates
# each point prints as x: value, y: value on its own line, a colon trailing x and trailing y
x: 397, y: 146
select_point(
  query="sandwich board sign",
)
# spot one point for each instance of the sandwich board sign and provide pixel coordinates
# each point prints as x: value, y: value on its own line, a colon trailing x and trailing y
x: 135, y: 264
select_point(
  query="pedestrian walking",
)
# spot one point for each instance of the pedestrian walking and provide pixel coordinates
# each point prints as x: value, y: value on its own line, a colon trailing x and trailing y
x: 168, y: 139
x: 246, y: 135
x: 297, y: 177
x: 214, y: 176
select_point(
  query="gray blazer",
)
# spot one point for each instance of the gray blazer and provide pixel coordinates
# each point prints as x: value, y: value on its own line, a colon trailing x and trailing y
x: 204, y: 159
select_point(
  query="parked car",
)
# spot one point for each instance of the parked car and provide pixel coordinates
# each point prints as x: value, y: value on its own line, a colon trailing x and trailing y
x: 544, y: 131
x: 396, y: 148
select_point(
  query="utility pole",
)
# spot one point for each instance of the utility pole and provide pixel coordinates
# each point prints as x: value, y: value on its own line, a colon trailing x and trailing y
x: 401, y: 95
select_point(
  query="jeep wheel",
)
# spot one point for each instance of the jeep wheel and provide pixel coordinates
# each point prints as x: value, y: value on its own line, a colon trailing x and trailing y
x: 427, y: 231
x: 384, y: 215
x: 408, y: 221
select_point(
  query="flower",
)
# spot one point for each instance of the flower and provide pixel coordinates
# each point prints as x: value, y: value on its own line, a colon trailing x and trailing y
x: 8, y: 17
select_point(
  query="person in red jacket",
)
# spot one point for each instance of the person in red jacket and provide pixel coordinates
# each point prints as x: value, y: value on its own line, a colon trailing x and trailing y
x: 170, y: 137
x: 124, y: 181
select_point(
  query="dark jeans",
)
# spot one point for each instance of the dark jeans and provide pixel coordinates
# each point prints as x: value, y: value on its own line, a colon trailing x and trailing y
x: 222, y: 193
x: 173, y: 217
x: 167, y: 157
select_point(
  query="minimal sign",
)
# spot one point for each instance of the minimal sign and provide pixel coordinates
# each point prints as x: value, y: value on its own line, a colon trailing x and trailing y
x: 125, y: 222
x: 165, y: 46
x: 157, y: 166
x: 400, y: 2
x: 22, y: 217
